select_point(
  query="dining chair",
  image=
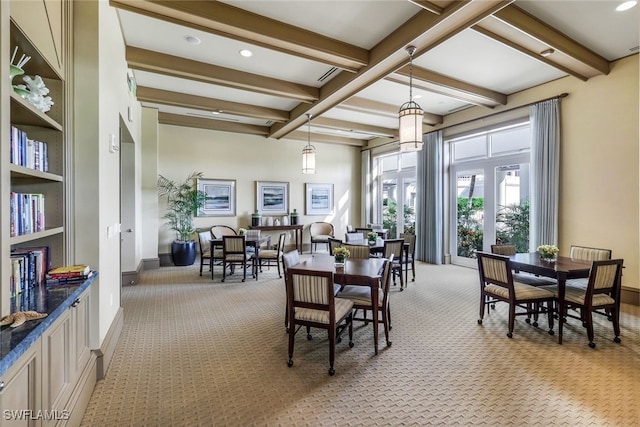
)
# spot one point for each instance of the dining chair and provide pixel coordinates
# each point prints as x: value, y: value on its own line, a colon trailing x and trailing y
x: 362, y: 299
x: 497, y: 284
x: 269, y: 256
x: 204, y: 241
x: 391, y: 247
x: 410, y: 255
x: 334, y: 243
x: 320, y: 233
x: 503, y: 249
x: 358, y: 251
x: 602, y: 293
x: 528, y: 278
x: 217, y: 231
x: 311, y: 303
x: 289, y: 259
x: 234, y: 253
x: 354, y: 236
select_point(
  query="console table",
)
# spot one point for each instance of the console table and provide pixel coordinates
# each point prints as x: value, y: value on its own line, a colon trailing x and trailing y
x: 297, y: 230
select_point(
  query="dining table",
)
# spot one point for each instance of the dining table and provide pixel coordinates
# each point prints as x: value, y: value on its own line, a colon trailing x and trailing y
x: 361, y: 272
x: 562, y: 269
x: 250, y: 241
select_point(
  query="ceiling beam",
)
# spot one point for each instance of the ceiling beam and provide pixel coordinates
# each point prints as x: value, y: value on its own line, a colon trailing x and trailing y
x: 444, y: 85
x: 347, y: 126
x: 329, y: 139
x: 235, y: 23
x: 428, y: 6
x: 212, y: 124
x: 179, y: 99
x: 424, y: 30
x: 517, y: 18
x: 368, y: 106
x: 155, y: 62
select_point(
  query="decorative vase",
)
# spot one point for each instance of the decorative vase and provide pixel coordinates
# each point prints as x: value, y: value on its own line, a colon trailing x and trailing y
x: 184, y: 253
x: 294, y: 217
x: 255, y: 219
x: 285, y: 220
x: 339, y: 260
x: 14, y: 71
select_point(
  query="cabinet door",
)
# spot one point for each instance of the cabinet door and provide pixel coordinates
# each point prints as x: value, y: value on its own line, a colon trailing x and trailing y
x: 19, y: 395
x: 80, y: 322
x: 57, y: 382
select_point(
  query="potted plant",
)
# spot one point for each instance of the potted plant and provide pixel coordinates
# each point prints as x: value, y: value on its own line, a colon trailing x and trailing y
x: 183, y: 203
x: 339, y: 254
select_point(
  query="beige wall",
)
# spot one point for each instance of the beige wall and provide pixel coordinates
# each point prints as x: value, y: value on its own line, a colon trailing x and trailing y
x: 247, y: 159
x: 599, y: 160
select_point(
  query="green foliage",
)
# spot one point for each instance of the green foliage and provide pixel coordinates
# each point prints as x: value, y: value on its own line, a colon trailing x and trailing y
x: 470, y: 237
x: 183, y: 202
x: 512, y: 226
x: 390, y: 215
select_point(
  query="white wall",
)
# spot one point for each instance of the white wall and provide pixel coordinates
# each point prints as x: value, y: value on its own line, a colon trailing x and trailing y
x: 149, y: 177
x: 247, y: 159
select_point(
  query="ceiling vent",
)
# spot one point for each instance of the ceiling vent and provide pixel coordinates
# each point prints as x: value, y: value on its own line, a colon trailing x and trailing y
x: 208, y: 116
x: 328, y: 74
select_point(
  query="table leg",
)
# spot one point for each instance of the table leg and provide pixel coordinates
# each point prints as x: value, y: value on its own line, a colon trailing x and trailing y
x: 561, y: 291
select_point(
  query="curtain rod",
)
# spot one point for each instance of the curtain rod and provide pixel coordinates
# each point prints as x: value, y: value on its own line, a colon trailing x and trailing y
x: 562, y: 95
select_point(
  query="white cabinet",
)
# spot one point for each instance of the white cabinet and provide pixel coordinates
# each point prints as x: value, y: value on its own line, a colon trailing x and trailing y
x: 19, y: 390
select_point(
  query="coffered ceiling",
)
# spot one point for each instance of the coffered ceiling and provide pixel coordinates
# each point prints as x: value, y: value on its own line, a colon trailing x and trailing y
x: 345, y: 62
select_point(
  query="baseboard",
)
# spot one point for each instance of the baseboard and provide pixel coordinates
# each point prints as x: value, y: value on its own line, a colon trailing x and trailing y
x: 129, y: 278
x: 150, y: 264
x: 81, y: 395
x: 104, y: 354
x: 630, y: 296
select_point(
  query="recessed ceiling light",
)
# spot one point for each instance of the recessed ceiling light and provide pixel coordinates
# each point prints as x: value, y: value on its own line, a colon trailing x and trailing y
x: 626, y: 5
x: 246, y: 53
x: 192, y: 40
x: 547, y: 52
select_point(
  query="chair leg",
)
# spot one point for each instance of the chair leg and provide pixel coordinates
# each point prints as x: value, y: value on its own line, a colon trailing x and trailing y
x: 201, y: 263
x: 224, y: 270
x: 588, y: 319
x: 279, y: 274
x: 292, y: 334
x: 413, y: 271
x: 332, y: 348
x: 614, y: 313
x: 483, y: 301
x: 385, y: 322
x: 512, y: 319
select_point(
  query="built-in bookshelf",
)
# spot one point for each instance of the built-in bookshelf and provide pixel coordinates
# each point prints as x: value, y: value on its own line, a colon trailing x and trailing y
x: 33, y: 162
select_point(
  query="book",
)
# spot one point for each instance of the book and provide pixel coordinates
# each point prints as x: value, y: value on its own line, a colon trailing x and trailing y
x: 69, y: 271
x: 68, y: 280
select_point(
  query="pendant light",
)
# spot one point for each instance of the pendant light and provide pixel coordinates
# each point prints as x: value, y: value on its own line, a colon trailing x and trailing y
x: 410, y: 115
x: 309, y: 152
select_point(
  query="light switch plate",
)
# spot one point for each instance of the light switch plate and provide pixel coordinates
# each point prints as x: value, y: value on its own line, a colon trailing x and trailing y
x: 113, y: 144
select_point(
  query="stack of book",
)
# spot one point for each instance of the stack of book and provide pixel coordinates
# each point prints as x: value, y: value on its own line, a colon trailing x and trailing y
x: 68, y: 275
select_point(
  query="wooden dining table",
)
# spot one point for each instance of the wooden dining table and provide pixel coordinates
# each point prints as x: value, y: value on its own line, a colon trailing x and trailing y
x: 361, y: 272
x: 562, y: 269
x: 252, y: 242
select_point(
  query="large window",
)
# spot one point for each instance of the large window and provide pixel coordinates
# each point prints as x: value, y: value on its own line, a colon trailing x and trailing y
x: 489, y: 177
x: 395, y: 201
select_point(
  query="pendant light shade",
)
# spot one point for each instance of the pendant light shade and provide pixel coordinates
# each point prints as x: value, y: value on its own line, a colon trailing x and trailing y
x: 309, y: 152
x: 410, y: 116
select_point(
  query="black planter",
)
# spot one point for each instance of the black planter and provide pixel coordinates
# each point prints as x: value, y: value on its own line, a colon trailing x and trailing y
x: 184, y: 253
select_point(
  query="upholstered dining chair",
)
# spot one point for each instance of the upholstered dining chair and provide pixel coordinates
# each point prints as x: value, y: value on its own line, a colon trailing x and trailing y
x: 204, y: 240
x: 361, y: 297
x: 269, y: 256
x: 289, y: 259
x: 602, y: 293
x: 217, y: 231
x: 497, y: 284
x: 320, y: 233
x: 391, y: 247
x: 234, y: 253
x: 503, y: 249
x: 409, y: 259
x: 354, y: 236
x: 334, y: 243
x: 530, y: 279
x: 311, y: 303
x: 358, y: 251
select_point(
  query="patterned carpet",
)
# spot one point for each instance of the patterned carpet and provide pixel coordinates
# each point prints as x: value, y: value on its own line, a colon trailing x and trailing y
x: 199, y: 353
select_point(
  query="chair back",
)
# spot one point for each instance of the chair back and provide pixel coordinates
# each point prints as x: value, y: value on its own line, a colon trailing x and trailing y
x: 234, y: 245
x: 217, y: 231
x: 386, y: 279
x: 204, y: 240
x: 410, y: 239
x: 358, y: 251
x: 290, y: 259
x: 589, y: 254
x: 364, y: 231
x: 253, y: 234
x: 354, y: 236
x: 495, y: 269
x: 281, y: 240
x: 376, y: 227
x: 605, y: 278
x: 334, y: 243
x: 503, y: 249
x: 394, y: 246
x: 321, y: 229
x: 311, y: 295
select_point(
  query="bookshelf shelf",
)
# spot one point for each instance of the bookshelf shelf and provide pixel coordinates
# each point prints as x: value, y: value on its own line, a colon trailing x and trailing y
x: 23, y: 113
x: 31, y: 237
x: 20, y: 172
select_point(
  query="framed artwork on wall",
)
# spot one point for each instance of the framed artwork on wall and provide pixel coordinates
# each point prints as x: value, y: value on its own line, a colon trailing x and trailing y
x: 221, y: 197
x: 319, y: 198
x: 272, y: 198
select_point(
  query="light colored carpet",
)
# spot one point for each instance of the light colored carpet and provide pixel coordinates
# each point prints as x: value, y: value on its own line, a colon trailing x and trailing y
x: 197, y: 352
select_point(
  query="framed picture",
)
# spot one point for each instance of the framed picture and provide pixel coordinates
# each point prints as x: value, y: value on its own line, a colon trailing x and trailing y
x: 272, y: 198
x: 319, y: 199
x: 221, y: 197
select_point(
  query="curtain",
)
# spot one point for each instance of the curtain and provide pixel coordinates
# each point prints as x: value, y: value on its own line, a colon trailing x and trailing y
x: 365, y: 214
x: 545, y: 170
x: 430, y: 199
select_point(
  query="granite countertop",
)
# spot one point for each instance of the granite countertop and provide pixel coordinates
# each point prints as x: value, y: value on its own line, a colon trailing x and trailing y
x: 53, y: 300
